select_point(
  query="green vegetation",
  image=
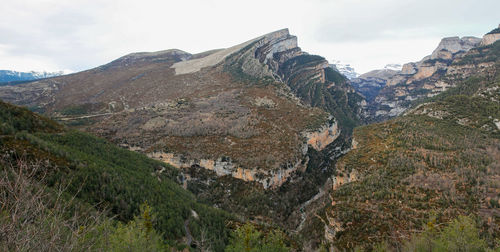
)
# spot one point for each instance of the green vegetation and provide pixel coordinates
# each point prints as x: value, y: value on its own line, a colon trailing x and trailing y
x: 82, y: 109
x: 14, y: 119
x: 461, y: 234
x: 39, y: 218
x: 248, y: 238
x: 442, y: 159
x: 136, y: 235
x: 108, y: 177
x: 489, y: 53
x: 331, y: 94
x: 494, y: 31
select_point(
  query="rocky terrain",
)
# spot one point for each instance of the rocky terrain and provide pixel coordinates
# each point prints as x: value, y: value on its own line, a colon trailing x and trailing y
x: 438, y: 160
x: 346, y: 69
x: 417, y: 80
x: 273, y: 136
x: 369, y: 84
x: 256, y: 116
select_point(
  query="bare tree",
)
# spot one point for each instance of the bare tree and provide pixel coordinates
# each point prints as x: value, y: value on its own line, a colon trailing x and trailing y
x: 34, y: 217
x: 204, y: 242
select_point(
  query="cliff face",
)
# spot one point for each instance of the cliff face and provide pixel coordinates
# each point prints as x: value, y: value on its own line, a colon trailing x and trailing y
x: 435, y: 73
x: 403, y: 169
x: 250, y: 103
x: 491, y: 37
x: 430, y: 76
x: 254, y: 128
x: 224, y: 166
x: 309, y: 77
x: 323, y: 137
x: 369, y: 84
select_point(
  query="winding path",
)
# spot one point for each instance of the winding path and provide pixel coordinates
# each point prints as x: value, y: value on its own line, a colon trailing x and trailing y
x: 188, y: 233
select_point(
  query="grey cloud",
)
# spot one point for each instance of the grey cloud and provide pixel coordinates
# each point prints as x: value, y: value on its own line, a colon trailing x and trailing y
x: 405, y: 19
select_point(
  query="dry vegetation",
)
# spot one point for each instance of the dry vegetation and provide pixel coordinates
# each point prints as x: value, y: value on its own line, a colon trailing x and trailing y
x: 411, y: 169
x: 229, y: 123
x: 36, y: 217
x: 422, y: 166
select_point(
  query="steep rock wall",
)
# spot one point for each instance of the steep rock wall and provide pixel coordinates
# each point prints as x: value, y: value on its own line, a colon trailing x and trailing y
x: 224, y: 166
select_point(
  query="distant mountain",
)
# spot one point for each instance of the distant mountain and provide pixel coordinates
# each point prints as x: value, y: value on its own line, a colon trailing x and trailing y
x: 254, y: 129
x: 392, y: 94
x: 13, y: 76
x: 369, y: 84
x: 344, y: 69
x: 272, y: 135
x: 438, y: 160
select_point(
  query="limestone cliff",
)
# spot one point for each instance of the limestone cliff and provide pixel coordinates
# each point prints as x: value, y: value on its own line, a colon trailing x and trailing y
x: 253, y: 111
x: 224, y: 166
x: 430, y: 76
x: 323, y: 137
x: 369, y: 84
x: 491, y: 37
x: 309, y: 77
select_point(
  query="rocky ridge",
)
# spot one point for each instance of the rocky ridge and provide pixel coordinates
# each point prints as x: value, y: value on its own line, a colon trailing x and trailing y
x: 346, y: 69
x: 369, y: 84
x: 418, y: 80
x: 101, y: 99
x: 254, y: 129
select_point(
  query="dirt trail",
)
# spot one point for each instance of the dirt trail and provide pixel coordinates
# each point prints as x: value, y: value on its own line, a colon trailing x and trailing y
x: 188, y: 233
x: 303, y: 207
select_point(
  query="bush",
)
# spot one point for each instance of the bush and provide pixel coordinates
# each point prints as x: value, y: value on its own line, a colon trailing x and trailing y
x: 460, y: 234
x: 248, y: 238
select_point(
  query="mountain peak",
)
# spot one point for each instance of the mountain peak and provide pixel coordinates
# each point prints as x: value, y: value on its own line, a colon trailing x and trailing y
x: 12, y: 76
x: 455, y: 44
x: 165, y: 55
x: 194, y: 65
x: 346, y: 69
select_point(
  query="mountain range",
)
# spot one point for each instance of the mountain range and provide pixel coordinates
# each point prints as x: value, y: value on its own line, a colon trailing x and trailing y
x: 14, y: 76
x: 390, y: 93
x: 267, y: 134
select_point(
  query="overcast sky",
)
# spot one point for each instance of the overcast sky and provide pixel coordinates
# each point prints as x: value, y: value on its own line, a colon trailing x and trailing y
x: 78, y: 34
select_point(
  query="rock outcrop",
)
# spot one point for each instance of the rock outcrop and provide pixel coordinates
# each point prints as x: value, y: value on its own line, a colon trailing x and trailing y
x: 369, y: 84
x: 417, y: 80
x: 491, y: 37
x: 195, y: 109
x: 346, y: 69
x: 224, y: 166
x: 323, y: 137
x: 452, y: 45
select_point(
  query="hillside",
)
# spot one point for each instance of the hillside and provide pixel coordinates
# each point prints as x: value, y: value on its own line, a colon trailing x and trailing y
x: 106, y: 177
x: 391, y: 95
x: 253, y: 129
x: 434, y: 163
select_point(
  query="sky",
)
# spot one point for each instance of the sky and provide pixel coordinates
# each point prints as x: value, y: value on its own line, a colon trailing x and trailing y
x: 76, y: 35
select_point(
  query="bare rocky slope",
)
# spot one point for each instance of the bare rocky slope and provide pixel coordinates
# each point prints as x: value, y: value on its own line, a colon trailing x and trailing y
x: 236, y: 121
x: 390, y: 95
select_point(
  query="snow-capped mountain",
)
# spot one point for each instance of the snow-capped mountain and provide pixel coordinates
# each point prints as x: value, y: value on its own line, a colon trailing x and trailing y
x: 12, y: 76
x: 344, y: 69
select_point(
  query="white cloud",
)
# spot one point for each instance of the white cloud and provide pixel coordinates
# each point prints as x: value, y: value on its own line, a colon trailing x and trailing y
x: 82, y: 34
